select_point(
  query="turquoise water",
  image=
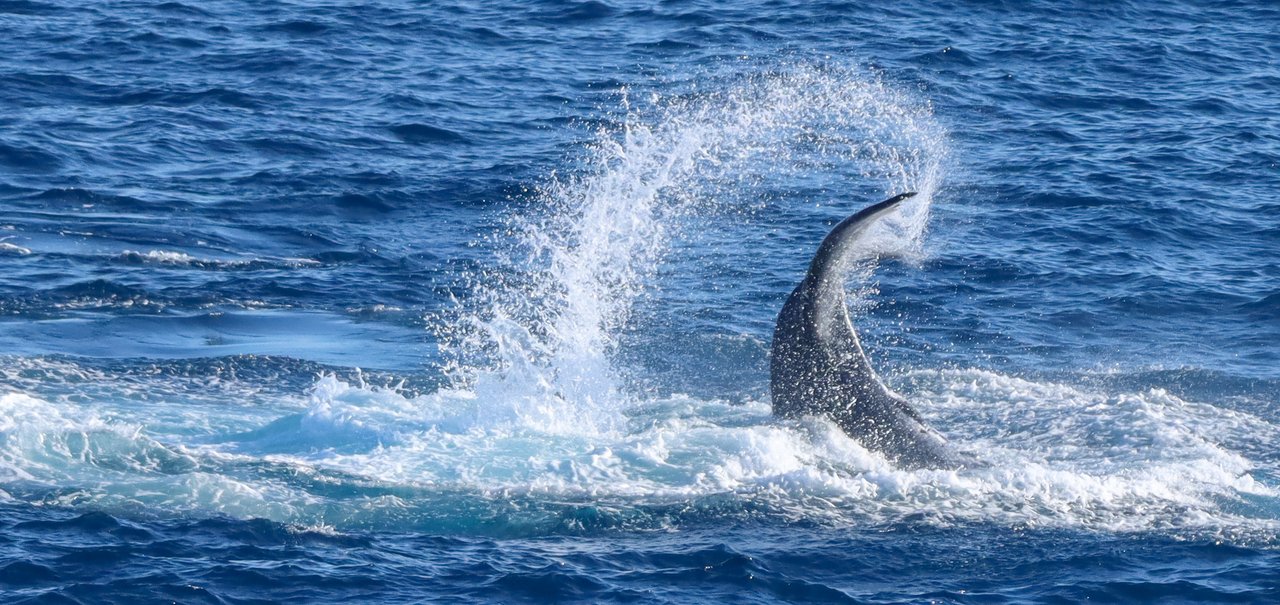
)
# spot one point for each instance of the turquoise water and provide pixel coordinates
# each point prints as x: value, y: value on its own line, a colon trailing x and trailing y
x: 409, y: 302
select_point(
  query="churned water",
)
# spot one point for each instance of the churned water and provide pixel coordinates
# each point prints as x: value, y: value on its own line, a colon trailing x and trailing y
x: 401, y: 302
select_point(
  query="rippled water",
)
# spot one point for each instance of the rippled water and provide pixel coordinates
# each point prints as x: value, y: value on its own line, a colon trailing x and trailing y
x: 403, y: 302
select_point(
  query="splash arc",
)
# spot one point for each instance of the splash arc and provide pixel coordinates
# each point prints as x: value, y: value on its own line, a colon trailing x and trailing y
x: 818, y: 366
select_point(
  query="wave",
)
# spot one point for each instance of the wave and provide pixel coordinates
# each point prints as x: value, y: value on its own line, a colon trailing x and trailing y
x: 358, y: 456
x: 544, y: 426
x: 178, y: 258
x: 10, y: 248
x: 422, y: 134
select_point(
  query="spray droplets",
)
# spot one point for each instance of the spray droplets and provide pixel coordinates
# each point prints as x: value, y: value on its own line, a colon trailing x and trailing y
x: 546, y: 320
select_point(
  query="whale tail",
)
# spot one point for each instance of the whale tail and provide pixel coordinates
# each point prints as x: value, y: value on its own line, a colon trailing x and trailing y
x: 818, y: 367
x: 836, y: 248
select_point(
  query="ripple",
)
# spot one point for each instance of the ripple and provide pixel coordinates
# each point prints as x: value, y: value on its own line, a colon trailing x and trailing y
x: 423, y: 134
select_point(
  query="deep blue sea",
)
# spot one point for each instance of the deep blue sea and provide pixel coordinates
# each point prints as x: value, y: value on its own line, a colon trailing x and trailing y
x: 453, y: 301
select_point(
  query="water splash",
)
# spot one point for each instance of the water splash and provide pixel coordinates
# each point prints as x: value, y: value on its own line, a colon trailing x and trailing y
x: 545, y: 321
x: 536, y: 436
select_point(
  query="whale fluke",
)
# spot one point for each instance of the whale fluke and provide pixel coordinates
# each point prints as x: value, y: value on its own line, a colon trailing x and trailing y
x: 817, y: 365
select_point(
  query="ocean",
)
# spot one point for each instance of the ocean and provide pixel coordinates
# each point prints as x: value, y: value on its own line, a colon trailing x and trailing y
x: 410, y: 302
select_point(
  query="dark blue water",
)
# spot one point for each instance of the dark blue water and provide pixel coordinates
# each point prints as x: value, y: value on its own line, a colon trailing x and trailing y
x: 408, y: 302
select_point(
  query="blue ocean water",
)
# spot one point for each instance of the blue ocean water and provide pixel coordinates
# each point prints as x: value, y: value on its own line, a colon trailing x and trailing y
x: 405, y: 302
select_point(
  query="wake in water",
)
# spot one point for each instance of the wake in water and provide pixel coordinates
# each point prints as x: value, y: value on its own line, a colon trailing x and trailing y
x: 545, y: 427
x: 353, y: 456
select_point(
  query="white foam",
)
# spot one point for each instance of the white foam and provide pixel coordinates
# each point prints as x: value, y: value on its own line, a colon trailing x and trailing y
x: 45, y: 442
x: 1048, y: 464
x: 172, y: 257
x: 537, y: 412
x: 8, y: 248
x: 1046, y: 472
x: 161, y: 256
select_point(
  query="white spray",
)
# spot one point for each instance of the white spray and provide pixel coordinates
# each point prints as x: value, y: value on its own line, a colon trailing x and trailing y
x: 540, y: 332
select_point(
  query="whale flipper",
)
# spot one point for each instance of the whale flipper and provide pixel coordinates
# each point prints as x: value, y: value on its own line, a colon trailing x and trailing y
x: 817, y: 365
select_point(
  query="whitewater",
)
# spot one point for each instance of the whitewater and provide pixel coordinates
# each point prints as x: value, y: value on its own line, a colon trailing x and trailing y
x: 278, y: 334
